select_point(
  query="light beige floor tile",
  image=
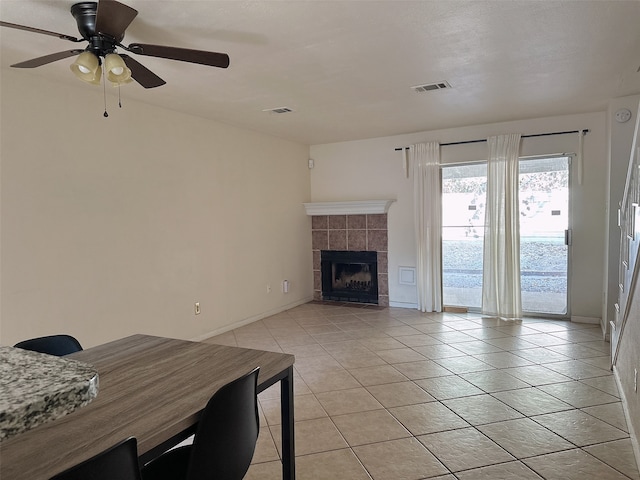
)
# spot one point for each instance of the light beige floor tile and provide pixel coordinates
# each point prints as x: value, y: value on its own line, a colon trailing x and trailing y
x: 303, y: 351
x: 265, y: 471
x: 578, y: 394
x: 544, y: 339
x: 443, y: 388
x: 358, y: 360
x: 439, y: 351
x: 541, y: 355
x: 319, y: 329
x: 400, y: 355
x: 227, y: 338
x: 502, y: 359
x: 576, y: 351
x: 421, y: 369
x: 348, y: 401
x: 317, y: 364
x: 606, y: 384
x: 306, y: 407
x: 603, y: 362
x: 481, y: 409
x: 485, y: 333
x: 427, y: 418
x: 532, y: 401
x: 350, y: 346
x: 377, y: 375
x: 579, y: 428
x: 600, y: 345
x: 327, y: 382
x: 401, y: 331
x: 611, y: 413
x: 417, y: 340
x: 460, y: 365
x: 515, y: 328
x: 331, y: 340
x: 355, y: 326
x: 404, y: 459
x: 382, y: 343
x: 462, y: 325
x: 399, y: 394
x: 325, y: 338
x: 524, y: 438
x: 312, y: 436
x: 494, y: 380
x: 268, y: 344
x: 572, y: 465
x: 338, y: 464
x: 577, y: 370
x: 536, y: 375
x: 617, y: 454
x: 369, y: 427
x: 312, y: 320
x: 511, y: 343
x: 477, y: 347
x: 265, y: 447
x: 453, y: 337
x: 504, y: 471
x: 432, y: 327
x: 464, y: 449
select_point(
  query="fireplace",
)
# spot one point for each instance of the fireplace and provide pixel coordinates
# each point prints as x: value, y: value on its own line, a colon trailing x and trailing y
x: 349, y: 276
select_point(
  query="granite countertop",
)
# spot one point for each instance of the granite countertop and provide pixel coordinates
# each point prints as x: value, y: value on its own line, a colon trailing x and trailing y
x: 36, y: 388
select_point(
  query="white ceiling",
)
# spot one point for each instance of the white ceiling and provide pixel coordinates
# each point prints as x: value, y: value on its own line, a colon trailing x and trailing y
x: 346, y: 67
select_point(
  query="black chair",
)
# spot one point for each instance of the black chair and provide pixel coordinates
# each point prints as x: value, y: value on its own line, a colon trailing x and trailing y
x: 119, y: 462
x: 224, y: 442
x: 58, y: 345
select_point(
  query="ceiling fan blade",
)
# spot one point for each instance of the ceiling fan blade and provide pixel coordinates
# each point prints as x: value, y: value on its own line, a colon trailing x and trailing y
x: 38, y: 30
x: 142, y: 74
x: 37, y: 62
x: 202, y: 57
x: 113, y: 18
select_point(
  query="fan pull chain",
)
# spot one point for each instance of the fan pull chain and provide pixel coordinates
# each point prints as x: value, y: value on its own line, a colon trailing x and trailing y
x: 104, y: 92
x: 119, y: 98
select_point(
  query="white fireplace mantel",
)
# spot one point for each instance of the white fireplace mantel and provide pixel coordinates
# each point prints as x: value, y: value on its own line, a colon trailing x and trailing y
x: 361, y: 207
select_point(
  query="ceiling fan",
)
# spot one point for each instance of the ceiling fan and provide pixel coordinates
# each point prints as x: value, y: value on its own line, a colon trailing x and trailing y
x: 102, y: 24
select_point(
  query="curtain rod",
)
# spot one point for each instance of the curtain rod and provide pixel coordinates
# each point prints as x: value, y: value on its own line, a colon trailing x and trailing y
x: 584, y: 132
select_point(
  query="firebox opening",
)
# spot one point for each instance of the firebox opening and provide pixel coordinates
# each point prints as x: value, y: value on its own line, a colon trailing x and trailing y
x: 349, y: 276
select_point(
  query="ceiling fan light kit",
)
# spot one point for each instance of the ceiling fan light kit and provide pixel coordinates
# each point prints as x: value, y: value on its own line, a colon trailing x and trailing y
x: 103, y: 24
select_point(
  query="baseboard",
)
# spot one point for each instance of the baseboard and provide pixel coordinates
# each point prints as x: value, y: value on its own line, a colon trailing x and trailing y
x: 247, y: 321
x: 403, y: 305
x: 632, y: 433
x: 590, y: 320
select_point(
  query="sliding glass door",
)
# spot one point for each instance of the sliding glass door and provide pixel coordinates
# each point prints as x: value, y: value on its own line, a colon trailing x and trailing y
x: 544, y: 219
x: 464, y: 190
x: 544, y: 223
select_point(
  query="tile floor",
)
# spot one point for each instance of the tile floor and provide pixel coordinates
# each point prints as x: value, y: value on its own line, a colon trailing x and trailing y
x: 393, y: 394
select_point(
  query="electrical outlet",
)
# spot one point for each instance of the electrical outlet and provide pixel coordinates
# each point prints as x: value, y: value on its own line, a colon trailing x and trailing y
x: 635, y: 380
x: 196, y: 308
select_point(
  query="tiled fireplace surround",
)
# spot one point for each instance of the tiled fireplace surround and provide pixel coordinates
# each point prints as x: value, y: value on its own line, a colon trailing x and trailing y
x: 351, y: 233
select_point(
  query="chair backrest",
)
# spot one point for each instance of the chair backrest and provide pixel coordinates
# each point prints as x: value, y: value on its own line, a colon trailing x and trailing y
x: 227, y: 432
x: 58, y: 345
x: 119, y: 462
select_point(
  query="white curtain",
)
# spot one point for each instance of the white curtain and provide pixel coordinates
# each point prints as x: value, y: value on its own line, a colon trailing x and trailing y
x: 501, y: 263
x: 425, y: 159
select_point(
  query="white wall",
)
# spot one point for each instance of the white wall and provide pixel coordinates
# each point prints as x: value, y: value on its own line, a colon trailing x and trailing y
x: 628, y: 360
x: 620, y: 140
x: 112, y: 226
x: 372, y: 169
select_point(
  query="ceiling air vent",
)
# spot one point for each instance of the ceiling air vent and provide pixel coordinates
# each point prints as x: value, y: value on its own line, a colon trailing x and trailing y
x: 430, y: 86
x: 278, y: 110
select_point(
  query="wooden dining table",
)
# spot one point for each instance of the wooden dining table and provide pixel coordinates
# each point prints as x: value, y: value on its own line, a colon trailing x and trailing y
x: 151, y: 388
